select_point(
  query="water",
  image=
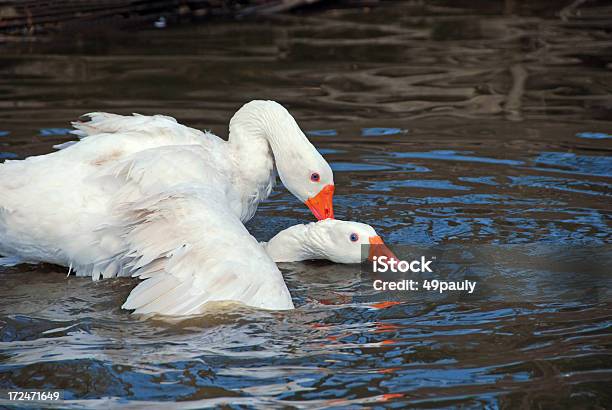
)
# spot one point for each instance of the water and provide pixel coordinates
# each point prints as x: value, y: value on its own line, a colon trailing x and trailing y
x: 455, y: 125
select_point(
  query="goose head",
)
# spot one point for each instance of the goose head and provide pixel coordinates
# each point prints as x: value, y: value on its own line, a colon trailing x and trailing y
x: 331, y: 239
x: 310, y: 179
x: 301, y: 168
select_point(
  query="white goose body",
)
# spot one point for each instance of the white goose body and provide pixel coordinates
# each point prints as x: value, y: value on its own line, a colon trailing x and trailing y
x: 148, y: 197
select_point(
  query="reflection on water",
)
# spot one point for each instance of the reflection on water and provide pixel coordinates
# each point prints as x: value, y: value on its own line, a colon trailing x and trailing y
x: 478, y: 123
x: 455, y: 156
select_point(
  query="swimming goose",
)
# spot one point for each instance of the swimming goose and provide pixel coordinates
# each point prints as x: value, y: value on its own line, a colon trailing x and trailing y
x: 240, y: 270
x: 100, y: 205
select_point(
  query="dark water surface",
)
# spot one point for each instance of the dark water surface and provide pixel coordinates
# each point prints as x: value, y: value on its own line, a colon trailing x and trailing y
x: 464, y: 125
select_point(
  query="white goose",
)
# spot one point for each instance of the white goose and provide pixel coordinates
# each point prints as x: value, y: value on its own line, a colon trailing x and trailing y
x: 331, y: 239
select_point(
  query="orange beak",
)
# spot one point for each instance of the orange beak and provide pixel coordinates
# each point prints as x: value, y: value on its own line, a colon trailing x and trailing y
x: 321, y: 205
x: 378, y: 248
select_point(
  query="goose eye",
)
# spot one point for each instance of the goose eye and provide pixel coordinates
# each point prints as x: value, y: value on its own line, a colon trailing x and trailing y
x: 315, y: 177
x: 354, y: 237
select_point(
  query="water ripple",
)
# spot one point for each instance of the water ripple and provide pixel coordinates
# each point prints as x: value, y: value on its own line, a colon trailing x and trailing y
x: 449, y: 124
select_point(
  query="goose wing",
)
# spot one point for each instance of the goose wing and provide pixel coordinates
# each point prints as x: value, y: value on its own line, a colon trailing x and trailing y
x: 190, y: 250
x: 159, y: 129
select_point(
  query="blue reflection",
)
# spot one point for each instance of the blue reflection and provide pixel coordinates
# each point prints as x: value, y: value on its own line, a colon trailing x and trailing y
x: 377, y: 132
x: 48, y: 132
x: 325, y: 151
x: 448, y: 155
x: 480, y: 180
x: 8, y: 155
x: 562, y: 184
x: 594, y: 135
x: 581, y: 164
x: 322, y: 133
x: 351, y: 166
x: 418, y: 183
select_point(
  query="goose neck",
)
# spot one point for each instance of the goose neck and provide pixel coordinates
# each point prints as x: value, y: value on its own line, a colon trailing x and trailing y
x: 295, y: 244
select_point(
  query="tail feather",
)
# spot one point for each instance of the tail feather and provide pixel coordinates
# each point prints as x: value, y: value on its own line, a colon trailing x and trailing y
x: 102, y: 122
